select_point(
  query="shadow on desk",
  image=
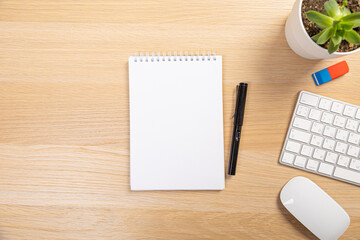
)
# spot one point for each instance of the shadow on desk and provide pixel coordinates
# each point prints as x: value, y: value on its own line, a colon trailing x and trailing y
x: 293, y: 222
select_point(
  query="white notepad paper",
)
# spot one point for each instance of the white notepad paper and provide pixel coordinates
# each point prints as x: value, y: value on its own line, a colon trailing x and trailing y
x: 176, y: 123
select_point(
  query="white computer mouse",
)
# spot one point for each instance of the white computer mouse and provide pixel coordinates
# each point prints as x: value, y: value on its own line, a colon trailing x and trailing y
x: 314, y: 208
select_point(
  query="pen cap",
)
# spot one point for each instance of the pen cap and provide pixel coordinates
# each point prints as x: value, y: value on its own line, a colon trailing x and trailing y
x: 242, y: 99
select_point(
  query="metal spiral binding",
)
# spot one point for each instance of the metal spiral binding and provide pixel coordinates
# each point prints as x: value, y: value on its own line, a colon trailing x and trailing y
x: 158, y: 57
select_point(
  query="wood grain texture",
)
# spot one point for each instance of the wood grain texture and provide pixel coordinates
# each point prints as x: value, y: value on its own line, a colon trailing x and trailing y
x: 64, y: 126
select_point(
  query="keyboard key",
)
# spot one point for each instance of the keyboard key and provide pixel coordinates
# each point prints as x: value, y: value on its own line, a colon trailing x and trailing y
x: 293, y: 146
x: 312, y: 164
x: 317, y: 128
x: 302, y: 111
x: 339, y: 121
x: 347, y: 174
x: 300, y: 136
x: 353, y: 151
x: 316, y: 140
x: 355, y: 164
x: 319, y: 154
x: 307, y: 150
x: 325, y: 104
x: 326, y: 168
x: 341, y: 147
x: 288, y: 158
x: 302, y: 123
x: 352, y: 125
x: 343, y: 161
x: 329, y: 144
x: 300, y: 161
x: 354, y: 138
x: 349, y: 111
x: 327, y: 118
x: 358, y: 114
x: 309, y: 99
x: 337, y: 107
x: 331, y: 157
x: 342, y: 135
x: 329, y: 131
x: 315, y: 114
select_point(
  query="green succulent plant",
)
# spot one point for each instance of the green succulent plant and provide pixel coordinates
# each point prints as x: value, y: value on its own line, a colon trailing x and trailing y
x: 337, y: 23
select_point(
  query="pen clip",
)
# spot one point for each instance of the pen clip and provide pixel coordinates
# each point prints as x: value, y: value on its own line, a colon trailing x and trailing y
x: 236, y: 93
x: 237, y: 135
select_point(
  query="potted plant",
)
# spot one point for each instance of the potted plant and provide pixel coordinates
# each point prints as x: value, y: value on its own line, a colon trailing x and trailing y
x: 320, y: 29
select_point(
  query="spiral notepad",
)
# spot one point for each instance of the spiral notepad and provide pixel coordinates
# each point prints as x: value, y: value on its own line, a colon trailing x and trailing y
x: 176, y: 122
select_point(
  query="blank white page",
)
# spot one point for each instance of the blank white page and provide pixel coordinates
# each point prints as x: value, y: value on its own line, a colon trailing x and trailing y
x: 176, y: 123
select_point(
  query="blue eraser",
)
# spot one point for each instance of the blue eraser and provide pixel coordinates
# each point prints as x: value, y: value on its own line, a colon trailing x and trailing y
x: 321, y: 77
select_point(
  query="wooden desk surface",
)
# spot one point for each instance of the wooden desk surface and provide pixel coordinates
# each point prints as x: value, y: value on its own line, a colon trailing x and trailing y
x: 64, y: 126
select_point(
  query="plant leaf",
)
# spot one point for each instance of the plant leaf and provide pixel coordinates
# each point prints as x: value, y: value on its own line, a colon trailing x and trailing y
x: 333, y: 10
x: 352, y: 37
x: 332, y: 47
x: 321, y: 20
x: 356, y: 24
x: 346, y: 25
x: 325, y: 35
x: 352, y: 17
x: 336, y: 39
x: 345, y: 11
x: 341, y: 33
x: 316, y: 37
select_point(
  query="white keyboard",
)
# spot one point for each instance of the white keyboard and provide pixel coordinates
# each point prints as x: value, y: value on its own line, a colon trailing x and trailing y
x: 324, y: 137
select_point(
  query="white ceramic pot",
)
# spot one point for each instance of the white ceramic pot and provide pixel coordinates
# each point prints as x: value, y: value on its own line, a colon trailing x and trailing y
x: 300, y: 42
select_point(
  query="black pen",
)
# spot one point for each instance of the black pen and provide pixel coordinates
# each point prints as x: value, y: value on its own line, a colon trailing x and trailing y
x: 241, y: 90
